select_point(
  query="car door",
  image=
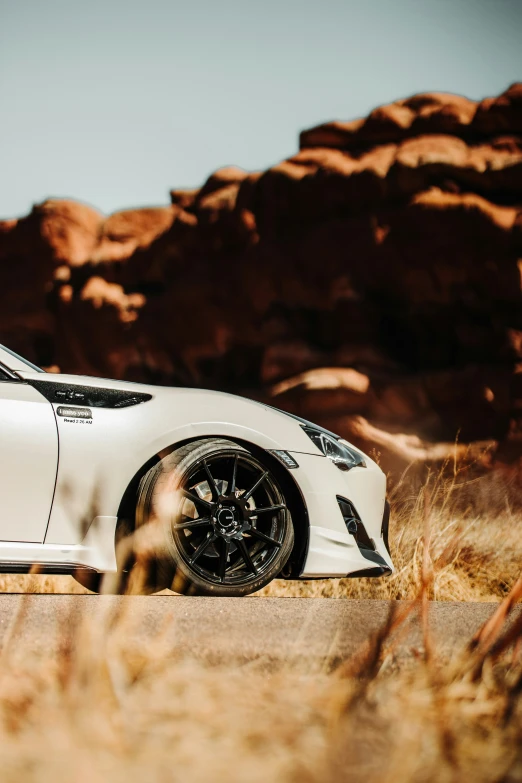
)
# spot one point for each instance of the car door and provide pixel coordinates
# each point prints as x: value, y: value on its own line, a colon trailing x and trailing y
x: 28, y: 460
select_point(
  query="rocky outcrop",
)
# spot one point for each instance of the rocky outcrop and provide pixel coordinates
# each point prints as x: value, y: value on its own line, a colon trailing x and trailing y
x: 371, y: 282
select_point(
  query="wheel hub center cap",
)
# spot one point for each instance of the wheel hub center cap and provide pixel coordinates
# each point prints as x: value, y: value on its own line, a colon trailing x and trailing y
x: 226, y: 519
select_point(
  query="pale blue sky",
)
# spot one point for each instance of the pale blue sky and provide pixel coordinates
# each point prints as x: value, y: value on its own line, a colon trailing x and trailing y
x: 114, y: 102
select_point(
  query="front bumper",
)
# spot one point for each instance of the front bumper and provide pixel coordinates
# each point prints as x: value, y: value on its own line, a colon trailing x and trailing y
x: 332, y: 550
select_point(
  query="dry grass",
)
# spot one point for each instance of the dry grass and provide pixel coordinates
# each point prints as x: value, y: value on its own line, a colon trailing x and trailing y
x: 38, y: 583
x: 106, y: 707
x: 475, y: 542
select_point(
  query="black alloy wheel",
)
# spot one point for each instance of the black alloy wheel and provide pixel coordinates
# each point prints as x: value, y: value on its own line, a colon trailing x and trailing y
x: 227, y: 527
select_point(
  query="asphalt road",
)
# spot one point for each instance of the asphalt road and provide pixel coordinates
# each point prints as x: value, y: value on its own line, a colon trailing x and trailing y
x: 237, y: 630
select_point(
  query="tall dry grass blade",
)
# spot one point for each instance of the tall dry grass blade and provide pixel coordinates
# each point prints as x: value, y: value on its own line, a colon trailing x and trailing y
x: 489, y: 632
x: 399, y: 628
x: 17, y: 622
x: 511, y: 636
x: 69, y: 633
x: 363, y: 664
x: 426, y: 578
x: 14, y: 627
x: 488, y: 642
x: 517, y: 651
x: 445, y: 735
x: 513, y: 699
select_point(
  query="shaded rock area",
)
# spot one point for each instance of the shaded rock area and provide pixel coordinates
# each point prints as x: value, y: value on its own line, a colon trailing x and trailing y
x: 371, y: 282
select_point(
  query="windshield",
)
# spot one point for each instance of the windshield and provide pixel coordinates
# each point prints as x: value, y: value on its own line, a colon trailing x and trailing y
x: 21, y: 358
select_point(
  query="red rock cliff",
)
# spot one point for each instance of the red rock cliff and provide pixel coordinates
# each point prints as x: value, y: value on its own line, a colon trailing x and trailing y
x: 371, y: 282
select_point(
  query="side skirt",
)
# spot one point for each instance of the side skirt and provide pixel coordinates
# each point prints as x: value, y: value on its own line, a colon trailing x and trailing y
x: 65, y: 569
x: 95, y: 553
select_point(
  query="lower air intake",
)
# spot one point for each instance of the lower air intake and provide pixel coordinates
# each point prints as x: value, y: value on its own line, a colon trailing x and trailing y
x: 355, y: 526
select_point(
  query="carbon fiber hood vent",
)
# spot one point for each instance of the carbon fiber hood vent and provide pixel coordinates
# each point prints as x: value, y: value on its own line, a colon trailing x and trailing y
x: 90, y: 396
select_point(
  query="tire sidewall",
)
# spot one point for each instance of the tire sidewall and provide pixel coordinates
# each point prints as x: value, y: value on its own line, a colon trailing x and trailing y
x: 170, y: 473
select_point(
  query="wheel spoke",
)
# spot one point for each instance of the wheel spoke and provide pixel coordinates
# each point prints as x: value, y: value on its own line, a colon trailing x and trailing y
x: 202, y: 547
x: 269, y: 508
x: 228, y: 551
x: 195, y: 499
x: 211, y: 482
x: 258, y: 534
x: 234, y: 476
x: 190, y: 523
x: 223, y: 560
x: 256, y: 485
x: 246, y: 556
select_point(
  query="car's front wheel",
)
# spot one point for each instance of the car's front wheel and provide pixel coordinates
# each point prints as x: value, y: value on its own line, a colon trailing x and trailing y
x: 225, y: 527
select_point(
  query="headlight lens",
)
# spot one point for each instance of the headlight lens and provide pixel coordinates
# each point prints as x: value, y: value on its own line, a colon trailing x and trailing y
x: 337, y: 450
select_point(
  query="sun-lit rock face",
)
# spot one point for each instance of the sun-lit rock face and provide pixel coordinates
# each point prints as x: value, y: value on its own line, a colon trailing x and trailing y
x: 371, y: 282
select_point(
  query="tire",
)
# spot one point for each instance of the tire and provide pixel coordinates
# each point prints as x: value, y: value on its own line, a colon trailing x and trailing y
x: 91, y: 580
x: 222, y: 525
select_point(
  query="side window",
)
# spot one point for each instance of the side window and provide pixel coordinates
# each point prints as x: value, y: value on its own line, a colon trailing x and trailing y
x: 4, y: 376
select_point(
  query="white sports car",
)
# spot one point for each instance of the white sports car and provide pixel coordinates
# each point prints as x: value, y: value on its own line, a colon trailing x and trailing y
x: 233, y: 492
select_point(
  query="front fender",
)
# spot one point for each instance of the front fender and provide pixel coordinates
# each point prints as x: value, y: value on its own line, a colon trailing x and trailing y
x: 99, y: 460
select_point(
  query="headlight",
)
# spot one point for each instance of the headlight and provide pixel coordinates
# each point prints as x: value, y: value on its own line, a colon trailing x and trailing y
x: 335, y: 449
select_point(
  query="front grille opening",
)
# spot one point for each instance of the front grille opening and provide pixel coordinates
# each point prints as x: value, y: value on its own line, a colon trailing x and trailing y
x: 355, y: 526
